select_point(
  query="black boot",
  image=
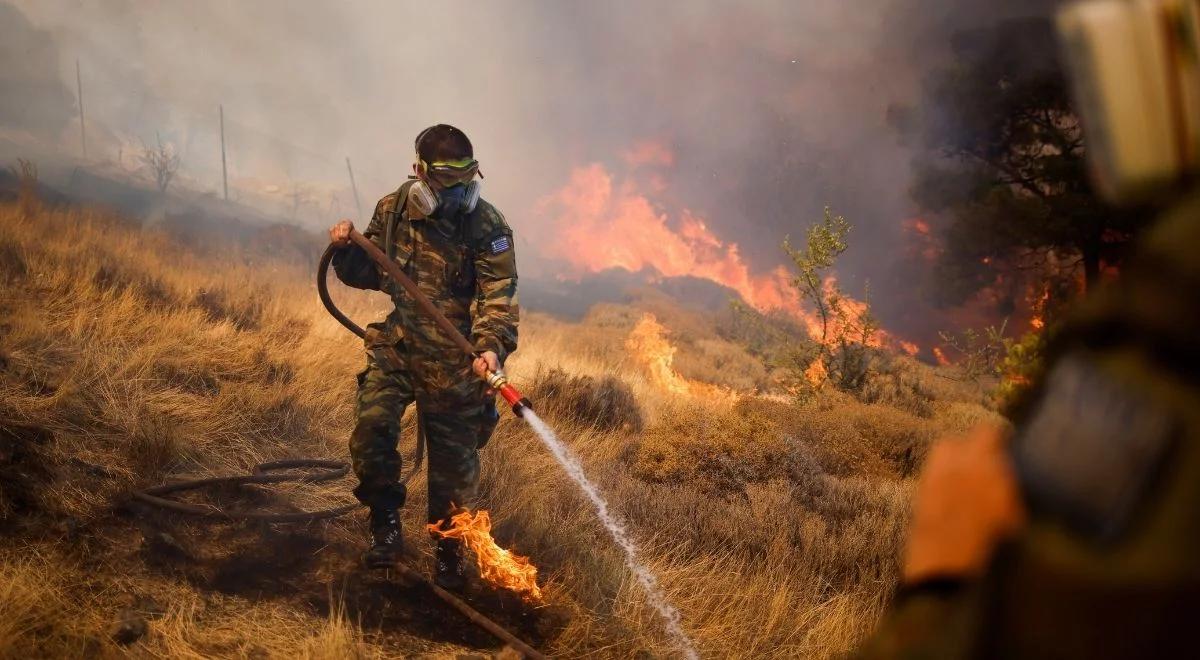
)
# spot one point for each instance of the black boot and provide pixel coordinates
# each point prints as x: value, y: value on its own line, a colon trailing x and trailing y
x: 387, y: 540
x: 447, y: 567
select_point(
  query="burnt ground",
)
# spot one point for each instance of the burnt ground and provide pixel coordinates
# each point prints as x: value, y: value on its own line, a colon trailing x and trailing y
x: 308, y: 567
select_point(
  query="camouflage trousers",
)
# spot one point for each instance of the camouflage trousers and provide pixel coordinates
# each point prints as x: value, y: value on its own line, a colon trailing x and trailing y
x: 457, y: 422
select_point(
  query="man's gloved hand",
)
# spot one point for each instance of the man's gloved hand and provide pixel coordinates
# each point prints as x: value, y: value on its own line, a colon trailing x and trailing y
x: 339, y: 234
x: 487, y: 361
x: 967, y: 501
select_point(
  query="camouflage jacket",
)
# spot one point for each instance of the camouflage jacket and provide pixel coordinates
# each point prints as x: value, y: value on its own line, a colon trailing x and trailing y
x: 466, y: 266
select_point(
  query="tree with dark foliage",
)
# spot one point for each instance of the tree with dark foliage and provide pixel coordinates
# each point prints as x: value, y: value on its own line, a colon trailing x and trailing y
x: 1001, y: 159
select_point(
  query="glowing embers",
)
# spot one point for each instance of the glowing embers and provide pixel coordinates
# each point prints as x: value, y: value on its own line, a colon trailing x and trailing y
x: 497, y: 566
x: 1038, y: 308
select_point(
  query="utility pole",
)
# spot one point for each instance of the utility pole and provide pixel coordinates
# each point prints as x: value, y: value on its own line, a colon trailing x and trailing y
x: 354, y: 189
x: 79, y: 86
x: 224, y: 172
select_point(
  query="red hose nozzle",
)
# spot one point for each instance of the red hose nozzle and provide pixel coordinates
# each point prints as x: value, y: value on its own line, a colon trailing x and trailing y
x: 499, y: 382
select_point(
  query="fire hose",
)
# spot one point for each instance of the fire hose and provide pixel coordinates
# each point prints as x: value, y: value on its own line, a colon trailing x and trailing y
x: 267, y: 473
x: 497, y: 380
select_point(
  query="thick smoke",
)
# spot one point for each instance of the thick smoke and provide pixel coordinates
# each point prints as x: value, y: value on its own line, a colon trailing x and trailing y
x: 771, y: 110
x: 33, y: 97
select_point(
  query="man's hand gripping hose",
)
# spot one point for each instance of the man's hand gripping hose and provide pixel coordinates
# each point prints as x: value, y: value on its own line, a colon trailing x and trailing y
x: 496, y: 379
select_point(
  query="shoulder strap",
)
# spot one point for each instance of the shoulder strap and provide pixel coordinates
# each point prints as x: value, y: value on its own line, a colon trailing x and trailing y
x: 397, y: 204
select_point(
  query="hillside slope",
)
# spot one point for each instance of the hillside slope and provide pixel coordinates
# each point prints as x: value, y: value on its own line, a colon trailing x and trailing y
x: 128, y: 358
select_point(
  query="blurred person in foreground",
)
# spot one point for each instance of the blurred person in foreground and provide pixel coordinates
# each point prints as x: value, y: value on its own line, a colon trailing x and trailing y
x: 459, y: 251
x: 1077, y: 534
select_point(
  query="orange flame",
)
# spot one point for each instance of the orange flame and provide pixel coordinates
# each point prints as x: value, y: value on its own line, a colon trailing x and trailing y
x: 595, y: 223
x: 497, y: 566
x: 647, y: 341
x: 921, y: 239
x: 599, y: 224
x: 816, y: 373
x: 1038, y: 320
x: 942, y: 360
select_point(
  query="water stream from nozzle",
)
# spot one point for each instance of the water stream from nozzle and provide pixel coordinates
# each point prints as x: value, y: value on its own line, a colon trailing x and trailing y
x: 616, y: 528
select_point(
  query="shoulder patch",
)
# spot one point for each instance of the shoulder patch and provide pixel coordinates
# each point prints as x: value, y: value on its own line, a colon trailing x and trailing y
x: 1092, y: 448
x: 501, y: 243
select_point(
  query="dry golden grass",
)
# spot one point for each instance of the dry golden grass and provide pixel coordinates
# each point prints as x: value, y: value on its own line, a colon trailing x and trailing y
x: 127, y: 358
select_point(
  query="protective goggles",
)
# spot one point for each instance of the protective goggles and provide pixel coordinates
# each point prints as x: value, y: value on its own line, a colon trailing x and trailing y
x: 450, y: 173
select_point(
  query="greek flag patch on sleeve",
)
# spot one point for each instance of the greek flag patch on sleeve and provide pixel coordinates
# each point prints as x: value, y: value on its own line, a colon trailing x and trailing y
x: 501, y: 244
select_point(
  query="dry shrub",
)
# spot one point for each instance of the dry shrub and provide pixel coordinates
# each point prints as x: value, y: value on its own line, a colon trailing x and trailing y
x: 897, y: 382
x: 714, y: 449
x: 958, y: 417
x: 722, y: 363
x: 244, y: 312
x: 605, y: 403
x: 116, y: 278
x: 849, y: 437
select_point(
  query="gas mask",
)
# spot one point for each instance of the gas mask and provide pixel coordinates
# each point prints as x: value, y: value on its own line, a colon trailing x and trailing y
x: 456, y: 191
x: 1135, y: 65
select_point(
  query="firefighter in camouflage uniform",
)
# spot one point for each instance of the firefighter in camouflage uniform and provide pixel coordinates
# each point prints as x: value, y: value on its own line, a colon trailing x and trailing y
x: 459, y: 251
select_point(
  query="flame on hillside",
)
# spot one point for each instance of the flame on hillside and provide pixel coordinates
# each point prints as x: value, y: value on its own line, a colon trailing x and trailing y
x: 648, y: 343
x: 921, y: 240
x: 497, y: 566
x: 940, y: 356
x: 816, y: 373
x: 596, y: 223
x: 601, y: 224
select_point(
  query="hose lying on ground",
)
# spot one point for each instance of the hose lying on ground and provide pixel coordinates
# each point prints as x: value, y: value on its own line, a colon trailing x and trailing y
x: 264, y: 473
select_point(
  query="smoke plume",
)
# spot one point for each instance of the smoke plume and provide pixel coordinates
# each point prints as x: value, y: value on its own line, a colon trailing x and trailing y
x: 718, y: 127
